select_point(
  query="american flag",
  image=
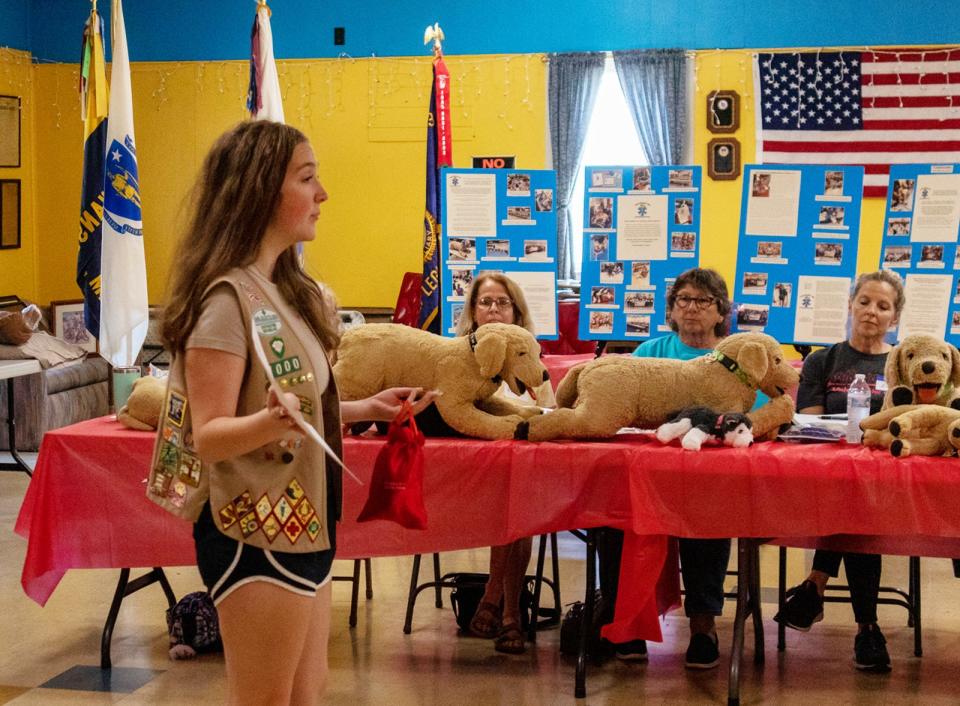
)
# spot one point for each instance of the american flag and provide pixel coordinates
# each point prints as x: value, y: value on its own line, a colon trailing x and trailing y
x: 871, y: 108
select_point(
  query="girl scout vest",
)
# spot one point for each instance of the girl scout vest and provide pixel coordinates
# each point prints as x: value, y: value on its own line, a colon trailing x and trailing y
x: 275, y: 497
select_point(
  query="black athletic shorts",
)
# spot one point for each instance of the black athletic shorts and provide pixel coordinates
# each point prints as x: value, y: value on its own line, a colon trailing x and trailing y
x: 226, y: 564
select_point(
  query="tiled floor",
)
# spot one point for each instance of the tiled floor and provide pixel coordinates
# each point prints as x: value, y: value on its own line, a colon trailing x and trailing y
x: 50, y: 651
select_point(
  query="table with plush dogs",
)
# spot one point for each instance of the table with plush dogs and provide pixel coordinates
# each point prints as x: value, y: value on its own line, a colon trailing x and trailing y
x: 85, y: 507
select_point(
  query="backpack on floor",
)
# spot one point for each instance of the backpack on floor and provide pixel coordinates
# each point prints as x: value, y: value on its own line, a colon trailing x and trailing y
x: 193, y: 626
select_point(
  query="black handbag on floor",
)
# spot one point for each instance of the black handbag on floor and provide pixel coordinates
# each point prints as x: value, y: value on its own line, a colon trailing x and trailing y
x: 570, y: 628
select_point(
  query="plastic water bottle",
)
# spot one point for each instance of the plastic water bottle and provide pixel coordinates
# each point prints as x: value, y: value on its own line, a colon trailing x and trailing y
x: 858, y: 407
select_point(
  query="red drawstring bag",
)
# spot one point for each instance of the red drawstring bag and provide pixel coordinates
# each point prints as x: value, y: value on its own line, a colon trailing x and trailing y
x: 396, y: 489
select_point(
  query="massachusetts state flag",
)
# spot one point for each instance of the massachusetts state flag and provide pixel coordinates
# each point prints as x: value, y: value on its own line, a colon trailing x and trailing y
x: 263, y: 94
x: 439, y: 154
x: 94, y: 104
x: 872, y: 108
x: 123, y: 294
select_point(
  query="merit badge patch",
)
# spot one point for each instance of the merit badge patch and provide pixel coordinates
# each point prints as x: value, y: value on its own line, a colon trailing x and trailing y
x: 169, y: 458
x: 176, y: 408
x: 161, y: 482
x: 227, y: 516
x: 295, y: 491
x: 190, y: 467
x: 293, y: 529
x: 277, y: 346
x: 271, y: 528
x: 266, y: 322
x: 177, y: 494
x: 249, y: 524
x: 242, y: 504
x: 282, y: 510
x: 172, y: 435
x: 313, y: 528
x: 263, y: 507
x: 285, y: 366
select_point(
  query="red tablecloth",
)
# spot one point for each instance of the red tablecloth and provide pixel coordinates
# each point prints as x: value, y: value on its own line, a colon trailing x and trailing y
x: 85, y: 507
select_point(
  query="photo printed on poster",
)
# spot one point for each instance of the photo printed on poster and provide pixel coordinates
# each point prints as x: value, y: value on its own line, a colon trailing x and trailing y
x: 500, y: 220
x: 920, y: 242
x: 797, y: 251
x: 641, y: 228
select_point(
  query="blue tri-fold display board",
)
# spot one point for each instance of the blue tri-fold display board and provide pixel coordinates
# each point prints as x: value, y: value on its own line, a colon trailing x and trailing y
x: 501, y: 220
x: 797, y: 251
x: 920, y: 233
x: 641, y: 228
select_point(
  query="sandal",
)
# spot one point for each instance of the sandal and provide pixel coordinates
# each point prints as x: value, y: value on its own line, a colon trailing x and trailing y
x: 510, y: 640
x: 486, y: 621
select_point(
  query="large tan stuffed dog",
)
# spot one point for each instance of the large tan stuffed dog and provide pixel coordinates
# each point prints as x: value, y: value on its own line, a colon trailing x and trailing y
x: 620, y: 391
x: 467, y: 370
x: 921, y: 370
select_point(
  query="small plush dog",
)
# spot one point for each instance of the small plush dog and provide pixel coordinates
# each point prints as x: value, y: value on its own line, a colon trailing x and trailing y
x: 698, y: 424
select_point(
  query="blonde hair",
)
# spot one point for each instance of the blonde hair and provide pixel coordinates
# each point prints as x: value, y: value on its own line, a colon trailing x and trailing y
x: 521, y: 313
x: 888, y: 277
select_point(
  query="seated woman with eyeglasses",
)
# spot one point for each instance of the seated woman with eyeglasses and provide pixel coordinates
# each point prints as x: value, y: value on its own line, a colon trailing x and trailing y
x: 698, y: 311
x: 495, y: 298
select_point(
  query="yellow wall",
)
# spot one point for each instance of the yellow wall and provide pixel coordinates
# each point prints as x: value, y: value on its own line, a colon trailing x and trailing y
x: 366, y: 119
x: 18, y: 268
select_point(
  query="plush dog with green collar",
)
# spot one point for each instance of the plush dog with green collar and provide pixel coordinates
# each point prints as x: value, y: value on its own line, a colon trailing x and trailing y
x: 597, y: 398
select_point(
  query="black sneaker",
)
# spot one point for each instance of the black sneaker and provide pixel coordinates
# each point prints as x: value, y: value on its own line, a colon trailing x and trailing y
x: 803, y: 607
x: 870, y: 650
x: 703, y: 652
x: 633, y: 651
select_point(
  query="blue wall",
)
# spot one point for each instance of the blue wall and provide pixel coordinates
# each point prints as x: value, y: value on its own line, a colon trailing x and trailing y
x: 15, y: 24
x: 185, y: 30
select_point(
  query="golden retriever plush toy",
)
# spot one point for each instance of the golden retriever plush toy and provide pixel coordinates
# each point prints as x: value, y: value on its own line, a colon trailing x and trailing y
x: 921, y: 370
x: 919, y: 429
x: 143, y: 407
x: 599, y: 397
x: 466, y: 370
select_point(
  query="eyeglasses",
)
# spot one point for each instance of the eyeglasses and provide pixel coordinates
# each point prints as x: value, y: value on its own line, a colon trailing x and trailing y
x: 683, y: 301
x: 490, y: 302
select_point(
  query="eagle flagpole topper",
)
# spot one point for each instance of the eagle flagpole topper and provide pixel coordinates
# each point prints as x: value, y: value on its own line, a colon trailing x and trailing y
x: 439, y: 154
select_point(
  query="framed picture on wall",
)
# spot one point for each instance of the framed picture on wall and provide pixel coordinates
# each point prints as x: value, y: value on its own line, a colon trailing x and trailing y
x: 68, y: 324
x: 9, y: 214
x: 723, y: 111
x: 9, y: 131
x: 723, y: 158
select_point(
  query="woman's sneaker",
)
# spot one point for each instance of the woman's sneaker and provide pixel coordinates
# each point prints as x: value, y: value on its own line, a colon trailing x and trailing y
x: 632, y: 651
x: 870, y: 650
x: 703, y: 651
x: 803, y: 607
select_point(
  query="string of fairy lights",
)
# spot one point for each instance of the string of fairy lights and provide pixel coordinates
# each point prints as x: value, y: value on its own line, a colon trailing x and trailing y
x: 315, y: 89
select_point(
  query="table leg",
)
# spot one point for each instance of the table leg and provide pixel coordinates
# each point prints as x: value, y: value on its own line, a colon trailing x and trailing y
x: 739, y: 623
x: 586, y: 627
x: 18, y: 463
x: 124, y: 588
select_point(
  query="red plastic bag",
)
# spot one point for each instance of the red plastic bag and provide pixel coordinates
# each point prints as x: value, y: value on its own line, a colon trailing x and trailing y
x: 396, y: 489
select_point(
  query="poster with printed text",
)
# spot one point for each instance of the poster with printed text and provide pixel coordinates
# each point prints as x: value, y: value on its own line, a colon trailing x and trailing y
x: 797, y: 251
x: 920, y: 242
x: 641, y: 228
x: 500, y: 220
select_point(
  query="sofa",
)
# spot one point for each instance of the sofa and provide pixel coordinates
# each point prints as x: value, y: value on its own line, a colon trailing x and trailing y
x: 60, y: 394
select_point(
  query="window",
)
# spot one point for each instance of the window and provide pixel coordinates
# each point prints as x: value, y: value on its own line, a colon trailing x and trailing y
x: 611, y: 139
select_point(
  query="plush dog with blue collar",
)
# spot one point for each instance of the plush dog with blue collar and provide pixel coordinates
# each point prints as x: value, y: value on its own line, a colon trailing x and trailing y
x: 698, y: 425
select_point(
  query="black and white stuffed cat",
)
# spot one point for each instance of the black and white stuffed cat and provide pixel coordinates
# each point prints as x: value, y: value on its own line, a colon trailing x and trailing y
x: 699, y: 424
